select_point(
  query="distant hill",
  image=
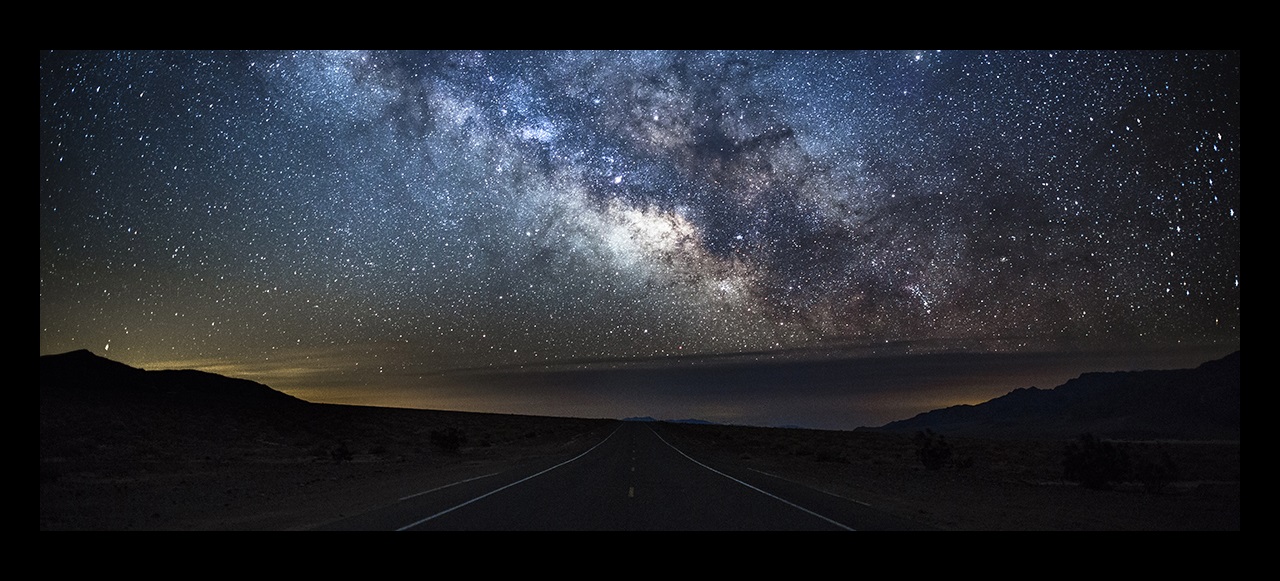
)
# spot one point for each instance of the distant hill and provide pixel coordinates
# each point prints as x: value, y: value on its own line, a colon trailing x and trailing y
x: 102, y: 412
x: 93, y: 408
x: 684, y: 421
x: 1189, y: 404
x: 84, y: 372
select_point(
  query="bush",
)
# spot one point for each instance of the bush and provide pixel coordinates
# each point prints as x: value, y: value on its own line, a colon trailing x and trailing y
x: 1156, y: 475
x: 448, y: 439
x: 340, y: 453
x: 826, y: 454
x: 932, y: 449
x: 1094, y: 463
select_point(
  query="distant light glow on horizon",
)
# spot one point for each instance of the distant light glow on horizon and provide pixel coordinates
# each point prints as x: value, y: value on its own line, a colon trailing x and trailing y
x: 359, y: 226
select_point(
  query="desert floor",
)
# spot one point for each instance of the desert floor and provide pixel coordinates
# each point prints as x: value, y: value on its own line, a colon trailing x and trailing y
x: 284, y: 481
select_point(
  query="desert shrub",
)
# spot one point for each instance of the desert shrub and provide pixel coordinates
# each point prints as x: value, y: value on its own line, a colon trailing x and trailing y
x: 1094, y: 463
x: 448, y: 439
x: 826, y: 454
x: 932, y: 449
x: 1155, y: 475
x: 340, y: 453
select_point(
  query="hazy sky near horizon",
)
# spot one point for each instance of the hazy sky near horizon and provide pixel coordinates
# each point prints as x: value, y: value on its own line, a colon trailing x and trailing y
x: 358, y: 225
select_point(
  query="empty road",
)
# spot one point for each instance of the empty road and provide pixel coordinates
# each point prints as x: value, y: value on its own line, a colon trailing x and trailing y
x: 633, y: 480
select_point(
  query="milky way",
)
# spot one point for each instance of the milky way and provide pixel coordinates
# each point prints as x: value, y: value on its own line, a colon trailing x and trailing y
x: 413, y: 212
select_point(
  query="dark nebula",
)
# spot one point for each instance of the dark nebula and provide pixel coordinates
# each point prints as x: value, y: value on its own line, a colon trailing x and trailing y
x: 338, y: 218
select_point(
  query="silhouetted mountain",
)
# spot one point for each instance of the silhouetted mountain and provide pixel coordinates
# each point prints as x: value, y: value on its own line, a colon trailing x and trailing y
x: 105, y: 413
x: 84, y: 371
x: 650, y: 419
x: 1194, y: 404
x: 94, y: 408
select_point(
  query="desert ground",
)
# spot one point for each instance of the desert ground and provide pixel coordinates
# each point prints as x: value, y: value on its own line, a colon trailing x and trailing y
x: 121, y: 472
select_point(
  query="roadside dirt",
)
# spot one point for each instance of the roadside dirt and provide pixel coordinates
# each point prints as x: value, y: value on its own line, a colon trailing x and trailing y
x: 988, y: 485
x: 992, y: 485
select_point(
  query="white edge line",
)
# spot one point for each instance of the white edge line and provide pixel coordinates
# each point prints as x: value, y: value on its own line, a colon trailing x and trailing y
x: 447, y: 485
x: 775, y: 497
x: 495, y: 491
x: 822, y: 491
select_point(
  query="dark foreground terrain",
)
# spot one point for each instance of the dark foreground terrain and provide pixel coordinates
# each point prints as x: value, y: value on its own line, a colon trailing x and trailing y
x: 267, y: 480
x: 123, y: 451
x: 990, y: 484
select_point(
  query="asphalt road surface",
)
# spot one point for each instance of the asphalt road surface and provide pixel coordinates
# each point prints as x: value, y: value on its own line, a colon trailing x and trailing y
x: 633, y: 480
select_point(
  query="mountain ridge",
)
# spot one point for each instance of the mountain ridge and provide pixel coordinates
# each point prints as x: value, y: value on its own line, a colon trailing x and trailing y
x: 1200, y: 403
x: 86, y: 373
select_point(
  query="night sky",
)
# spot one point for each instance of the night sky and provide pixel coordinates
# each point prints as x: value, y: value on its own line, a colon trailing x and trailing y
x: 461, y: 230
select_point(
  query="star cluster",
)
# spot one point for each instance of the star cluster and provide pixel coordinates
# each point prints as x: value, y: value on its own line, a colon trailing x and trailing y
x: 344, y: 213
